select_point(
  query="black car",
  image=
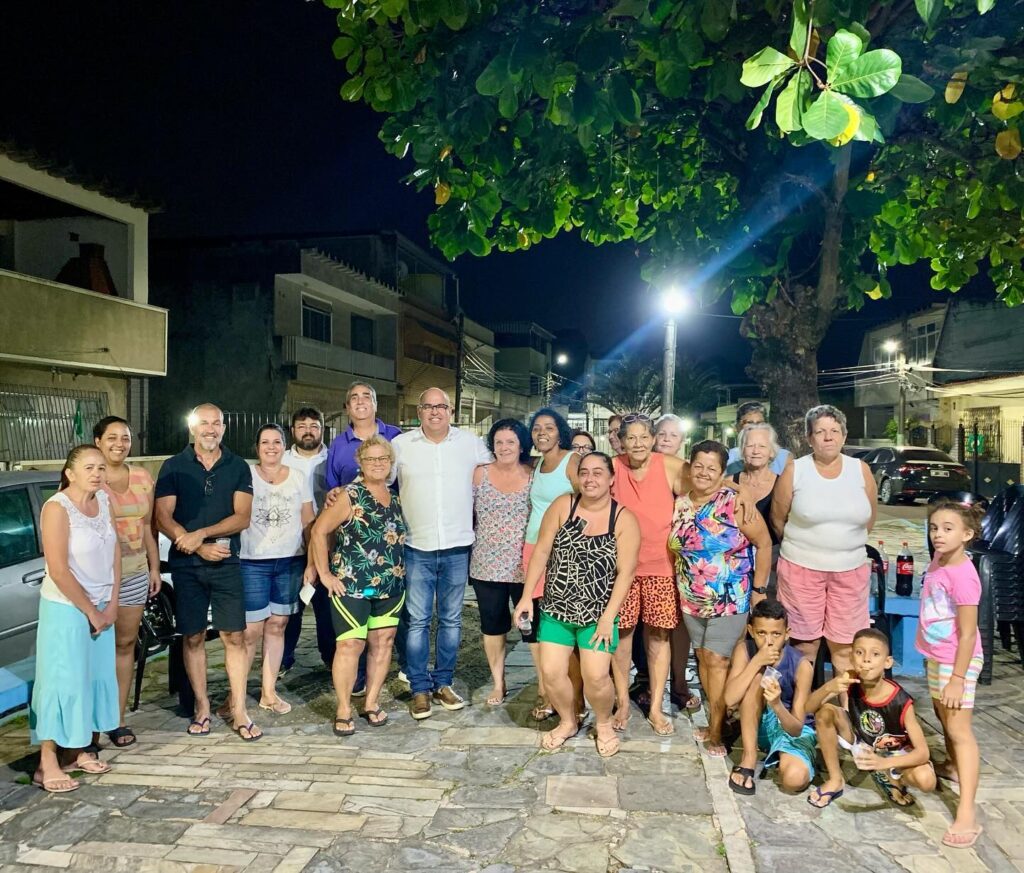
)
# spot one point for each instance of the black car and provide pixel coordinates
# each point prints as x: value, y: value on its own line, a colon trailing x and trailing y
x: 909, y: 472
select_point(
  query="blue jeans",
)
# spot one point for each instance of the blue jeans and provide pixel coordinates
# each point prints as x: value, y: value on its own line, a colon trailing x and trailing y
x: 271, y: 586
x: 440, y: 575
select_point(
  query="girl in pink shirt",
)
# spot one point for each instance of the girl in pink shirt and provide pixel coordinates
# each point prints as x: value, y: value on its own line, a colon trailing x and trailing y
x: 947, y: 636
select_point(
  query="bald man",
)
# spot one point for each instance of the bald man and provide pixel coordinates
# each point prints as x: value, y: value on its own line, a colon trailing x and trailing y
x: 203, y: 501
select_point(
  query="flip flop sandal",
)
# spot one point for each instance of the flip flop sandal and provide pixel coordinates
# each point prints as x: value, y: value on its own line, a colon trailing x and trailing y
x: 893, y: 789
x: 347, y: 732
x: 828, y: 796
x: 496, y: 701
x: 961, y: 839
x: 379, y: 714
x: 278, y: 707
x: 542, y: 712
x: 693, y: 703
x: 551, y: 741
x: 49, y: 785
x: 204, y: 727
x: 666, y: 730
x: 742, y: 787
x: 224, y: 713
x: 122, y: 733
x: 249, y: 728
x: 93, y: 766
x: 607, y: 748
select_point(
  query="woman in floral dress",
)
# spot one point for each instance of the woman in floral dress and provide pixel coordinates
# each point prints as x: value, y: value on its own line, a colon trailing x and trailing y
x: 716, y: 554
x: 365, y: 577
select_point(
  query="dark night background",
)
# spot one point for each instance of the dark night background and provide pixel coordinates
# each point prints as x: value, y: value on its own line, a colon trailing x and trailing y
x: 228, y: 115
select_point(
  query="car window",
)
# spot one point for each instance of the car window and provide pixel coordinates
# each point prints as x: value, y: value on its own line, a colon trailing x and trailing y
x: 925, y: 455
x: 869, y: 456
x: 18, y: 541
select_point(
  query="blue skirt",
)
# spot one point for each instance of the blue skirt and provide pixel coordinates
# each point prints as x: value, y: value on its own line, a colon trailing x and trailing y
x: 75, y: 690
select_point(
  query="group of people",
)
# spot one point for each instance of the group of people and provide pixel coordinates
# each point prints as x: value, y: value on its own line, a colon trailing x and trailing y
x: 748, y: 556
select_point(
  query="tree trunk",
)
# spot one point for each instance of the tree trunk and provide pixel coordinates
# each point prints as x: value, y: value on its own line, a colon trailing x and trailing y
x: 787, y: 332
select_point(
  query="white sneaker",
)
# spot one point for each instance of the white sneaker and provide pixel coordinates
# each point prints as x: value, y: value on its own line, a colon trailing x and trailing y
x: 404, y: 679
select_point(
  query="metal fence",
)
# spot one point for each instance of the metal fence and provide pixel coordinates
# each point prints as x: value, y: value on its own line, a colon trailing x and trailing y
x: 44, y: 423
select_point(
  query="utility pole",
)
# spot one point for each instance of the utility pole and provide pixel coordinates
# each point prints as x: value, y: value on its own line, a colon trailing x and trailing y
x: 668, y: 373
x: 460, y: 327
x: 901, y: 423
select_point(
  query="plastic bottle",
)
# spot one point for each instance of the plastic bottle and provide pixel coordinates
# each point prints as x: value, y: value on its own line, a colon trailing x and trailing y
x: 881, y: 567
x: 524, y: 624
x: 904, y: 572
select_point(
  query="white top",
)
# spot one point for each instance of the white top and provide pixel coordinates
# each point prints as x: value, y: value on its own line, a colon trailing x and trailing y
x: 436, y: 484
x: 91, y: 549
x: 827, y: 527
x: 275, y: 526
x: 315, y: 470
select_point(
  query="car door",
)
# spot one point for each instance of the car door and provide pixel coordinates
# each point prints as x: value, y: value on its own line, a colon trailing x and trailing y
x: 21, y: 572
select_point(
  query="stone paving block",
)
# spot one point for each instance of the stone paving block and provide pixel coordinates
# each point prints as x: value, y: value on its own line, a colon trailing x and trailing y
x: 514, y: 797
x: 391, y: 806
x: 296, y: 860
x: 217, y: 857
x: 456, y: 819
x: 116, y: 778
x: 44, y: 858
x: 121, y: 849
x: 109, y: 796
x: 411, y: 782
x: 316, y: 821
x: 371, y: 790
x: 924, y: 863
x: 307, y: 801
x: 178, y: 811
x: 257, y: 783
x: 237, y: 799
x: 490, y: 736
x: 147, y: 769
x: 258, y: 837
x: 575, y: 843
x: 391, y: 827
x: 662, y: 794
x: 672, y: 843
x: 581, y: 791
x: 242, y: 758
x: 122, y: 829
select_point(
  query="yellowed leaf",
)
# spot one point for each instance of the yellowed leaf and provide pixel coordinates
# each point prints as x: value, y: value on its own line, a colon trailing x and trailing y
x: 522, y: 238
x: 447, y: 150
x: 442, y: 193
x: 852, y: 125
x: 1008, y: 143
x: 870, y: 177
x: 955, y: 86
x: 1009, y: 91
x: 875, y: 293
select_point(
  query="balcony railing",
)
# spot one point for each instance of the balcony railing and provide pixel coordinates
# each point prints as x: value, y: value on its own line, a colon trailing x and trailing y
x: 312, y: 353
x: 43, y: 322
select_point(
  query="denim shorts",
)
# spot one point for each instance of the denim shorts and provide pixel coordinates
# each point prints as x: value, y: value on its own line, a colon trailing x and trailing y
x: 272, y: 586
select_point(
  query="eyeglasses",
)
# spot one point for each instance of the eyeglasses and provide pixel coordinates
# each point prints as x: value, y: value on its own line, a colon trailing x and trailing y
x: 434, y: 407
x: 383, y: 460
x: 583, y: 449
x: 635, y: 416
x: 208, y: 485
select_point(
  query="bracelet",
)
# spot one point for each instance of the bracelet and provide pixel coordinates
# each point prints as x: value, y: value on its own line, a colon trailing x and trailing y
x: 958, y: 676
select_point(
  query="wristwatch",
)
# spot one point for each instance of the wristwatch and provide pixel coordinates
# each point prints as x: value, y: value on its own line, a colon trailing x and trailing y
x: 760, y: 590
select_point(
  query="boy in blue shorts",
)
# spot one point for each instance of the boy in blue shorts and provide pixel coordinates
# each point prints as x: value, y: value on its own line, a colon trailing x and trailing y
x: 770, y: 681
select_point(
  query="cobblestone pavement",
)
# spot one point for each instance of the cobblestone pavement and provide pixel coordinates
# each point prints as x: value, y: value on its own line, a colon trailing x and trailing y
x: 472, y: 791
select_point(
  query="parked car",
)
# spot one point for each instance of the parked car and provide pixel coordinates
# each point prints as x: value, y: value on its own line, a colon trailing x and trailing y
x: 22, y: 495
x: 857, y: 451
x: 910, y: 472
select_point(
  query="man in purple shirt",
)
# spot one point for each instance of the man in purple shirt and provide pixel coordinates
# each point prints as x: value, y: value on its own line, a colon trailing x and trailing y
x: 361, y: 405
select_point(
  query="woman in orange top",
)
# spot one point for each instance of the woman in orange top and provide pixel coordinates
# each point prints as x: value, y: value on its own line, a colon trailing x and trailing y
x: 130, y: 489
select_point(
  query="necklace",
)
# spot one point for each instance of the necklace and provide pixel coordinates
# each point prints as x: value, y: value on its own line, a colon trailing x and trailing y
x: 272, y: 476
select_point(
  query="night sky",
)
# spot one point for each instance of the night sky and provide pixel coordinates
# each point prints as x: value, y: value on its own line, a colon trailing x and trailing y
x: 228, y: 114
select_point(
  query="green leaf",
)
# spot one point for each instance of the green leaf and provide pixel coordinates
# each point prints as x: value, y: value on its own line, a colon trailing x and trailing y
x: 625, y: 101
x: 789, y: 108
x: 352, y: 90
x: 628, y: 9
x: 690, y: 46
x: 599, y: 50
x: 798, y: 33
x: 672, y: 78
x: 715, y: 18
x: 761, y: 68
x: 508, y: 102
x: 929, y: 10
x: 343, y: 46
x: 827, y: 117
x: 985, y: 6
x: 860, y: 30
x: 870, y: 75
x: 868, y: 130
x: 754, y: 119
x: 910, y: 89
x: 455, y: 13
x: 526, y: 53
x: 584, y: 102
x: 494, y: 77
x: 843, y: 48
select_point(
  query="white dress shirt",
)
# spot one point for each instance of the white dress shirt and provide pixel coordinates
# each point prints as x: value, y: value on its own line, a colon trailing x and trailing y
x: 436, y: 484
x: 314, y: 469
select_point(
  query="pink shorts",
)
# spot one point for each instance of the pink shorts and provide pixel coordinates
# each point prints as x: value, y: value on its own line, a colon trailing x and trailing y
x: 528, y: 548
x: 820, y: 603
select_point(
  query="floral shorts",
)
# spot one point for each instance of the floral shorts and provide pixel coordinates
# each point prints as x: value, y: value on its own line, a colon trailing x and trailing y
x: 654, y: 600
x: 940, y: 674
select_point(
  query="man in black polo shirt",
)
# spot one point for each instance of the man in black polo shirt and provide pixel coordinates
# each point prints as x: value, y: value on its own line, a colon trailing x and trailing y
x: 203, y: 501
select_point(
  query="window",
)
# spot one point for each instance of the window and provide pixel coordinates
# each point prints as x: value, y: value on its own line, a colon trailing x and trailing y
x: 923, y: 341
x: 362, y: 334
x: 316, y: 320
x: 17, y: 527
x: 884, y: 357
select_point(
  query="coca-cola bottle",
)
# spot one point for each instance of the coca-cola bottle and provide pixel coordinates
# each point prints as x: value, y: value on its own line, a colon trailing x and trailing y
x: 882, y: 565
x: 904, y: 572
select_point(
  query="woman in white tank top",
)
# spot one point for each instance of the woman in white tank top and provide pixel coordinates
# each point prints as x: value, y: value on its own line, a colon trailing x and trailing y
x: 824, y: 508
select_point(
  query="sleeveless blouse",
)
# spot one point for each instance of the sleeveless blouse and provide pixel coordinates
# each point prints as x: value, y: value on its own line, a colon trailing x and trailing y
x: 714, y: 560
x: 130, y: 509
x: 764, y: 506
x: 501, y: 520
x: 827, y: 528
x: 581, y: 570
x: 651, y: 500
x: 369, y: 556
x: 544, y: 489
x: 91, y: 548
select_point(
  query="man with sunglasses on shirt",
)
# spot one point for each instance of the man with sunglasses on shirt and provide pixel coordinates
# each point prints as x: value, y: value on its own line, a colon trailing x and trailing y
x: 203, y: 501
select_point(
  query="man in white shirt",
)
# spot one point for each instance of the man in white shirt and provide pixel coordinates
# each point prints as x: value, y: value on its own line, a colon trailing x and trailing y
x: 435, y: 465
x: 309, y: 454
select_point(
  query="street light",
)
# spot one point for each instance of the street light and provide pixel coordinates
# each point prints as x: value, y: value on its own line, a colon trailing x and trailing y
x: 673, y: 303
x: 892, y: 346
x: 561, y: 359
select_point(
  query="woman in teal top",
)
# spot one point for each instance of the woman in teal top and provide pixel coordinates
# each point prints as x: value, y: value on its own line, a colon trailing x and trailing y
x: 554, y: 474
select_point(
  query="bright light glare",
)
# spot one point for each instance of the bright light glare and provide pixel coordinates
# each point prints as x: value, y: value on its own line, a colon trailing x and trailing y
x: 674, y: 301
x: 729, y: 431
x: 562, y: 359
x: 686, y: 424
x: 891, y: 345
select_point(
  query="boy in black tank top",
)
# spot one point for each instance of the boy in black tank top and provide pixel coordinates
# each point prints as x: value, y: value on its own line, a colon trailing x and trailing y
x: 878, y: 725
x: 773, y: 709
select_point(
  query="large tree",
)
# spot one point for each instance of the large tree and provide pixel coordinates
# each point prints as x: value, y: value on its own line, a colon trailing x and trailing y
x: 783, y: 152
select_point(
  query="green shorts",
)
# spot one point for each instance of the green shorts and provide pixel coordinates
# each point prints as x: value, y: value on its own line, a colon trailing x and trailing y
x: 354, y: 617
x: 562, y: 633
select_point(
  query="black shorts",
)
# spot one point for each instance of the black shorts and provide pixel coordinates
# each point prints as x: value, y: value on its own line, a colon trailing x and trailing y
x: 496, y: 601
x: 354, y: 617
x: 197, y: 589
